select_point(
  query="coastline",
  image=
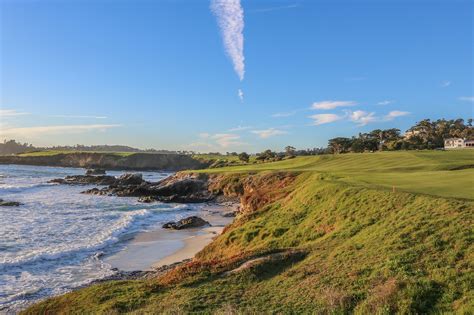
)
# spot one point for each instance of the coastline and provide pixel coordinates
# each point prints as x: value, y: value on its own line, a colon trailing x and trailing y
x: 152, y: 250
x: 192, y: 245
x: 137, y: 161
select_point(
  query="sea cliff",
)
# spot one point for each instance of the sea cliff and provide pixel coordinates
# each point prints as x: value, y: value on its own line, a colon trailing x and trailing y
x: 110, y: 161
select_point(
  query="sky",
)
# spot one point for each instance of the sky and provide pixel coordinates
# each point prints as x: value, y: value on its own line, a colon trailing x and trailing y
x: 229, y: 75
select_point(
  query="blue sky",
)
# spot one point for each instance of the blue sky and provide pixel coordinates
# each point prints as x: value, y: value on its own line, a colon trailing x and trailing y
x: 158, y: 73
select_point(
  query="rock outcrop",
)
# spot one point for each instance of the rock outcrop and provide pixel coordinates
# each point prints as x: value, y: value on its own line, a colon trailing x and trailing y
x: 253, y: 191
x: 95, y: 171
x: 85, y: 180
x: 4, y: 203
x: 187, y: 223
x: 124, y: 181
x: 179, y: 188
x: 130, y: 179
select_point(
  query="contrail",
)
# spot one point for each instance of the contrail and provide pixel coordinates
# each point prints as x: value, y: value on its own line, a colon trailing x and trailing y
x: 230, y: 18
x: 240, y: 93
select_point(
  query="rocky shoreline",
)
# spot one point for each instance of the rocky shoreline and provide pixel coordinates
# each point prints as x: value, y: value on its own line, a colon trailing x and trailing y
x: 174, y: 189
x: 250, y: 192
x: 178, y: 188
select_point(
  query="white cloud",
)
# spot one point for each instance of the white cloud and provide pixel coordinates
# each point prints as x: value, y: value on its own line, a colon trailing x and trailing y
x: 270, y: 132
x: 49, y: 130
x: 226, y: 140
x: 240, y: 128
x: 321, y: 119
x: 215, y: 142
x: 332, y: 104
x: 201, y: 146
x: 386, y: 102
x: 283, y: 7
x: 79, y: 116
x: 240, y: 93
x: 287, y: 114
x: 467, y: 98
x: 11, y: 112
x: 394, y: 114
x: 230, y: 18
x: 361, y: 117
x: 445, y: 83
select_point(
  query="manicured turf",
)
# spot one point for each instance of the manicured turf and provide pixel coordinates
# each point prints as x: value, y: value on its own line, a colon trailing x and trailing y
x: 441, y: 173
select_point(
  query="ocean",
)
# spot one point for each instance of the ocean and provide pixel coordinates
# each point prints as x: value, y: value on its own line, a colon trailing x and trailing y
x: 57, y: 240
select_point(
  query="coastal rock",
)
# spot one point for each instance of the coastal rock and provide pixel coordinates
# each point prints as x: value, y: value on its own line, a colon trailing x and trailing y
x: 85, y: 180
x: 182, y: 189
x: 4, y: 203
x: 95, y: 171
x: 189, y: 222
x: 174, y: 189
x: 128, y: 184
x: 192, y: 198
x: 121, y: 191
x: 96, y: 191
x: 147, y: 199
x: 130, y: 179
x: 230, y: 214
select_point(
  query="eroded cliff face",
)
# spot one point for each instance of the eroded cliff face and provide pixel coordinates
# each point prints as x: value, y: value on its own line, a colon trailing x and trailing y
x: 137, y: 161
x: 254, y: 191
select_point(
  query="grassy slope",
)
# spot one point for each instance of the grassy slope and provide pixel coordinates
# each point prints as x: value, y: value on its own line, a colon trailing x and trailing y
x: 367, y: 250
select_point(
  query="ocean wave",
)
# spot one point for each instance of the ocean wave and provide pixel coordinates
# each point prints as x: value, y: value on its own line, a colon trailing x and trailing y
x: 102, y: 239
x: 22, y: 186
x: 54, y: 242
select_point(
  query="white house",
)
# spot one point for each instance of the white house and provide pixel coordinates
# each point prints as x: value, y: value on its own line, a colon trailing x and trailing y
x: 458, y: 143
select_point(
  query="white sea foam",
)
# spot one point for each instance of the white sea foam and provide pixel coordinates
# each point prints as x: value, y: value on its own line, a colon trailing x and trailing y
x: 99, y: 240
x: 54, y: 241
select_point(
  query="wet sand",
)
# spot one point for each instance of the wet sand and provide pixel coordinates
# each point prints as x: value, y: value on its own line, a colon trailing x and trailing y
x: 149, y: 250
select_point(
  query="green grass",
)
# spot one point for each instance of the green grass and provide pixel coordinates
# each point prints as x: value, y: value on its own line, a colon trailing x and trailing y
x: 224, y: 158
x: 364, y: 249
x: 216, y: 157
x: 429, y: 172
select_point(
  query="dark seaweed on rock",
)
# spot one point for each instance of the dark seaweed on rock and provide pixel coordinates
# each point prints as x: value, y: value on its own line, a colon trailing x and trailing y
x: 189, y: 222
x: 4, y: 203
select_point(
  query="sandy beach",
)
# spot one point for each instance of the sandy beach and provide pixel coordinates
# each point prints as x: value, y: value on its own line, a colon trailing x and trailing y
x: 153, y: 249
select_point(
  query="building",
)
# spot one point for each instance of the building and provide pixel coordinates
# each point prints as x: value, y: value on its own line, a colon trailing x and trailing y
x: 458, y: 143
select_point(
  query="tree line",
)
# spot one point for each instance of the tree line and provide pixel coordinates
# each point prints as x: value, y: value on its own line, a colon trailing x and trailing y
x: 424, y: 135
